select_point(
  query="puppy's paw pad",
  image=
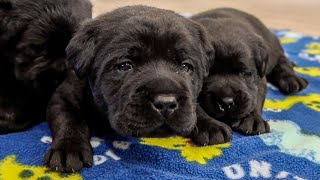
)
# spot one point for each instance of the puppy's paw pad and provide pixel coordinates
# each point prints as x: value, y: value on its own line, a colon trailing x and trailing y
x: 68, y: 156
x: 212, y: 133
x: 251, y: 125
x: 292, y: 83
x: 220, y: 135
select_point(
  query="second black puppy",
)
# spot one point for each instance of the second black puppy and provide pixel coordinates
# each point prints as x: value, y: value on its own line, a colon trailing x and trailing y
x: 247, y: 55
x: 140, y: 72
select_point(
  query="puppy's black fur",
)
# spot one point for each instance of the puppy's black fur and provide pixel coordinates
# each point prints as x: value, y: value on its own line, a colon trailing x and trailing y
x: 139, y: 71
x: 33, y: 38
x: 247, y: 55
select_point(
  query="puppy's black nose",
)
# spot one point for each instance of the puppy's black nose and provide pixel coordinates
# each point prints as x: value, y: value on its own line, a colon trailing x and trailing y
x: 165, y: 104
x: 226, y: 103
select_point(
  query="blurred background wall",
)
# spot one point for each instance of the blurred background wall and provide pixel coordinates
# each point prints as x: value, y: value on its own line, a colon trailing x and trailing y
x: 298, y: 15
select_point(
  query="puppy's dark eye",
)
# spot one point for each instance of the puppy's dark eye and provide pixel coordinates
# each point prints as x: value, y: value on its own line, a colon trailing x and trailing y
x: 246, y: 73
x: 125, y: 66
x: 186, y: 67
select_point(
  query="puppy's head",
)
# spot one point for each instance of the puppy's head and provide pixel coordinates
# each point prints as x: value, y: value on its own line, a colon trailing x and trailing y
x: 40, y: 59
x: 231, y: 90
x: 145, y: 67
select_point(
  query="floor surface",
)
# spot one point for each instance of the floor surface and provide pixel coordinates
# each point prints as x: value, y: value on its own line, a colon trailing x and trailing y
x: 298, y: 15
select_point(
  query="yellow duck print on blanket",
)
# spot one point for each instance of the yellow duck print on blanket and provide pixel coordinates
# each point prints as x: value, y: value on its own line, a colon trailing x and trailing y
x: 192, y: 153
x: 287, y: 40
x: 311, y: 100
x: 313, y: 48
x: 311, y: 71
x: 10, y: 169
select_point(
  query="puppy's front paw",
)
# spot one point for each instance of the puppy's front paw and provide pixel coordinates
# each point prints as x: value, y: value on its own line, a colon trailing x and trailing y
x: 69, y: 155
x: 211, y: 132
x: 252, y: 124
x: 292, y: 83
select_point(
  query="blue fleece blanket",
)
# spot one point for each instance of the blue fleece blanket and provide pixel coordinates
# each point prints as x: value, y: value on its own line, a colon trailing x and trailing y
x: 290, y: 151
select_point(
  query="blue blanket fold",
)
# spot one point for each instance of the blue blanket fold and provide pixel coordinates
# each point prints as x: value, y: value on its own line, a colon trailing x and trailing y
x: 290, y: 151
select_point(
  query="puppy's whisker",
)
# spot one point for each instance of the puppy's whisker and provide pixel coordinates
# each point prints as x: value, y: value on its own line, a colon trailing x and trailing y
x: 196, y: 129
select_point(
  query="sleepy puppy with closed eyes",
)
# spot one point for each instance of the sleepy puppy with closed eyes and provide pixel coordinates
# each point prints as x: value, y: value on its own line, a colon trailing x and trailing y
x: 247, y: 56
x: 138, y: 71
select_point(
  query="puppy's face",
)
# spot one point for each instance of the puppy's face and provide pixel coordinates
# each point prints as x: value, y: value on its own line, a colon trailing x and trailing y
x: 146, y: 74
x: 231, y: 90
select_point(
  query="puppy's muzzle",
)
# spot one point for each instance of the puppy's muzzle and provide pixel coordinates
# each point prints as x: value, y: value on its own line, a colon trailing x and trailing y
x: 165, y: 104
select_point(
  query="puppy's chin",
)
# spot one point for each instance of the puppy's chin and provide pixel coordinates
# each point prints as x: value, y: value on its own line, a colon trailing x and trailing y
x: 163, y: 131
x: 153, y: 131
x: 155, y: 127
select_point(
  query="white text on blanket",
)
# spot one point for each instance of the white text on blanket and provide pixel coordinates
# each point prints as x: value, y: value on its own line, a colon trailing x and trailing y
x: 258, y: 169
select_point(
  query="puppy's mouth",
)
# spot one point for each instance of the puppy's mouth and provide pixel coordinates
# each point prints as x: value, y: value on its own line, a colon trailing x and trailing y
x: 142, y: 129
x: 151, y: 122
x: 233, y: 111
x: 164, y: 131
x: 221, y: 111
x: 160, y: 130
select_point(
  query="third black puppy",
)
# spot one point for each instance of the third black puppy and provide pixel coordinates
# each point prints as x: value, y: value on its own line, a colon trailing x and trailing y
x: 247, y: 55
x: 33, y: 38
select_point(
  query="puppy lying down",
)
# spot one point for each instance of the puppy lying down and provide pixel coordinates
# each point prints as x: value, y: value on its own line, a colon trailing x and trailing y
x: 33, y: 38
x: 247, y: 56
x: 137, y: 70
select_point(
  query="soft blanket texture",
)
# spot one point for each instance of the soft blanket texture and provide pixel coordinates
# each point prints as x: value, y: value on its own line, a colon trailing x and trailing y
x: 290, y: 151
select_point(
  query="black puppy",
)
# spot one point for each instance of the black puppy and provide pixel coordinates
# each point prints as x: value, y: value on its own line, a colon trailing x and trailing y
x: 247, y: 55
x: 140, y: 71
x: 33, y: 38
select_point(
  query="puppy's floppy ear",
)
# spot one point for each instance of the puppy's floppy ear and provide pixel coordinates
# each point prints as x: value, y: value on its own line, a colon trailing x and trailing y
x: 262, y: 66
x: 261, y: 57
x: 82, y: 49
x: 203, y: 36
